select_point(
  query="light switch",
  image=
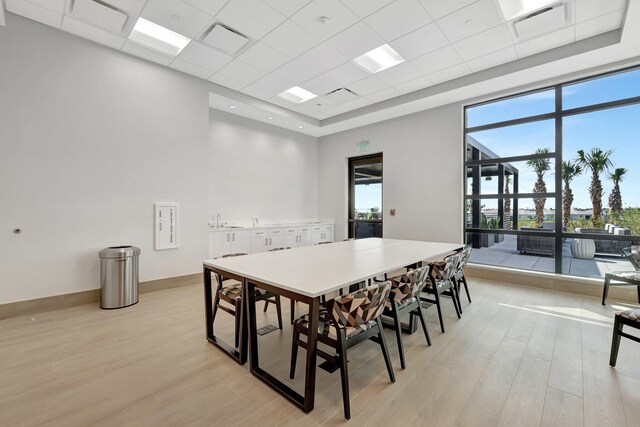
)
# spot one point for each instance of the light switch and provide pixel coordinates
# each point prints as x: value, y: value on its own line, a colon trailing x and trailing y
x: 392, y: 212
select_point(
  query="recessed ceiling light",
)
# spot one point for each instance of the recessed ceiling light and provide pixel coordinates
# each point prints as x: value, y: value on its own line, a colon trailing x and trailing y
x: 379, y: 59
x: 300, y: 127
x: 297, y: 95
x: 512, y: 9
x: 158, y: 37
x: 269, y: 118
x: 233, y: 107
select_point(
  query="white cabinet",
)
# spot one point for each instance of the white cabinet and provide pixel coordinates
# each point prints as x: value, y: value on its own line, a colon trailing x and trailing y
x: 321, y: 234
x: 264, y: 240
x: 297, y: 236
x: 224, y: 242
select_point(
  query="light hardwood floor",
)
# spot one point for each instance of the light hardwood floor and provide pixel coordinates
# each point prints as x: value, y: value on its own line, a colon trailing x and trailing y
x: 519, y: 356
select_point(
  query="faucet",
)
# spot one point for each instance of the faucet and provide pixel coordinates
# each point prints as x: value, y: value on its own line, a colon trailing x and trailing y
x: 218, y: 219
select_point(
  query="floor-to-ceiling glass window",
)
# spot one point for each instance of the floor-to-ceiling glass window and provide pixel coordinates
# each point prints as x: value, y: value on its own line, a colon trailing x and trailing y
x: 365, y: 196
x: 552, y: 180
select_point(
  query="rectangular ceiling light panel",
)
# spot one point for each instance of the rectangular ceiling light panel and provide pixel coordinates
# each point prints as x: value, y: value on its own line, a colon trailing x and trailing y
x: 541, y: 23
x: 379, y: 59
x: 99, y: 15
x: 225, y: 39
x: 2, y: 15
x: 512, y: 9
x: 157, y: 37
x: 297, y: 95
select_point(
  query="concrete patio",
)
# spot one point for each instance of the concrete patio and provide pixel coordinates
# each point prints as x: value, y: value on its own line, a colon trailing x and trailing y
x: 505, y: 254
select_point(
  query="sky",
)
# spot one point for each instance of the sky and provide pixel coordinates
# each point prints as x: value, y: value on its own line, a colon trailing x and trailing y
x: 368, y: 196
x: 617, y: 129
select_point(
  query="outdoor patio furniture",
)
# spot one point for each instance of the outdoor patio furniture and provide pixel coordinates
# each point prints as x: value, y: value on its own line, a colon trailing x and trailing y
x: 629, y: 318
x: 624, y: 278
x: 538, y: 245
x: 583, y: 248
x: 608, y: 247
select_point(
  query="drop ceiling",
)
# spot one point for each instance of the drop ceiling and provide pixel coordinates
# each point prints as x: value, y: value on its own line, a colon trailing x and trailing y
x: 274, y: 45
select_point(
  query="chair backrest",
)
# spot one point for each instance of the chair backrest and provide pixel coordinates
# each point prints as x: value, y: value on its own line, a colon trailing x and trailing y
x: 359, y: 307
x: 232, y: 255
x: 633, y: 255
x: 464, y: 257
x: 409, y: 284
x: 324, y: 243
x: 279, y: 249
x: 445, y: 269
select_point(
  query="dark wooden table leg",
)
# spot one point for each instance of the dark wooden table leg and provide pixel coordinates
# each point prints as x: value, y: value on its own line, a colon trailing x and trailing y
x: 312, y: 354
x: 208, y: 303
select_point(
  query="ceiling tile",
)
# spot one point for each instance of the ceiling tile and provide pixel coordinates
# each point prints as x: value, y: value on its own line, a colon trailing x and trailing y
x: 52, y: 5
x: 177, y: 16
x: 262, y: 56
x: 602, y: 24
x: 92, y: 33
x: 271, y: 84
x: 546, y: 42
x: 149, y: 54
x: 287, y: 7
x: 281, y: 102
x: 33, y: 12
x: 413, y: 85
x: 330, y: 112
x: 189, y: 68
x: 339, y: 18
x: 204, y: 56
x: 364, y: 8
x: 210, y: 7
x: 493, y: 59
x: 99, y: 15
x: 241, y: 71
x: 321, y: 84
x: 132, y: 7
x: 419, y: 42
x: 367, y: 86
x: 347, y: 73
x: 311, y: 107
x: 449, y: 73
x: 437, y: 60
x: 322, y: 58
x: 438, y: 8
x: 294, y: 72
x: 383, y: 95
x: 398, y: 18
x: 400, y: 73
x: 590, y: 9
x: 356, y: 40
x: 257, y: 93
x: 358, y: 103
x: 250, y: 17
x: 226, y: 81
x: 484, y: 43
x: 290, y: 39
x: 473, y: 19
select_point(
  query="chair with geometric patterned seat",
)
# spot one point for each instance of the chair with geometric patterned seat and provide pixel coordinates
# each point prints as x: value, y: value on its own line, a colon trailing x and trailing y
x: 624, y: 278
x: 442, y: 277
x: 232, y: 294
x: 460, y: 278
x: 345, y: 322
x: 629, y: 318
x: 404, y: 298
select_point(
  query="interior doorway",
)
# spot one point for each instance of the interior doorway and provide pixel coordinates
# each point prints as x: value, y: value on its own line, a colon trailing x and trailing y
x: 365, y: 196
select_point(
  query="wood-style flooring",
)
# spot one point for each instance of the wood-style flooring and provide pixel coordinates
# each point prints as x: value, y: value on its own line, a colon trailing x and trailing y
x: 518, y: 357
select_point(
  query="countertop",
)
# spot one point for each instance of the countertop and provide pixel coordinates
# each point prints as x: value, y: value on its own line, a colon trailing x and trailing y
x: 284, y: 225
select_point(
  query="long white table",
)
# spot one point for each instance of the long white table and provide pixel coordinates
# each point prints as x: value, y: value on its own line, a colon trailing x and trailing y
x: 305, y: 274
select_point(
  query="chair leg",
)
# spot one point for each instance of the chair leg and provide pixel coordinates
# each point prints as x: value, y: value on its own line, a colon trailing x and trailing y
x: 437, y: 297
x: 266, y: 304
x: 466, y: 287
x: 279, y: 311
x: 456, y: 295
x: 615, y: 341
x: 605, y: 290
x: 216, y: 303
x: 385, y: 350
x: 293, y: 311
x: 344, y: 373
x: 424, y: 324
x: 294, y: 353
x: 396, y: 319
x: 638, y: 293
x: 237, y: 319
x: 454, y: 298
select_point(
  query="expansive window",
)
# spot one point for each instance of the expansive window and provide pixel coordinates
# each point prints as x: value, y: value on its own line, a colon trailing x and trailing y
x: 553, y: 179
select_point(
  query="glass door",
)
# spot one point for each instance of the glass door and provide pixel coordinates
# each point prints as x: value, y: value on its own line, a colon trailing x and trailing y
x: 365, y: 196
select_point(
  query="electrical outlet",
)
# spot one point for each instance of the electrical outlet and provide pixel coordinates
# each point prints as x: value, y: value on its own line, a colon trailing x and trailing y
x: 392, y: 212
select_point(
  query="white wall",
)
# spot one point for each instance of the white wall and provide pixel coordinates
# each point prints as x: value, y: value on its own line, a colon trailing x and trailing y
x: 422, y: 174
x: 90, y: 138
x: 257, y: 169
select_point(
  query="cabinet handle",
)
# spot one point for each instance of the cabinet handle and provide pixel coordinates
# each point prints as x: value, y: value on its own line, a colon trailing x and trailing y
x: 270, y: 242
x: 234, y: 237
x: 227, y: 237
x: 266, y: 241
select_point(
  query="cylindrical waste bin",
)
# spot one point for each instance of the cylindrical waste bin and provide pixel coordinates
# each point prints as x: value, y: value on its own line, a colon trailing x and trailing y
x: 119, y: 276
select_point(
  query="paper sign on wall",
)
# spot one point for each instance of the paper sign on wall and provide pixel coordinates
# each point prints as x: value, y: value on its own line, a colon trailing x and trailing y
x: 166, y: 224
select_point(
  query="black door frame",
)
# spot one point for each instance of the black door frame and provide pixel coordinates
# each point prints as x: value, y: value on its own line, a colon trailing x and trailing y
x: 352, y: 162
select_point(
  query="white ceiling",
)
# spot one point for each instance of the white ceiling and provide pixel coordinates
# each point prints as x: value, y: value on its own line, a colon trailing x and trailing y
x: 441, y: 40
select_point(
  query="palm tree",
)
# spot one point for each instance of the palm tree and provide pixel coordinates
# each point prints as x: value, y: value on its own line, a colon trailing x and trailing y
x: 615, y: 199
x: 540, y: 167
x: 597, y: 161
x: 507, y: 202
x: 569, y: 171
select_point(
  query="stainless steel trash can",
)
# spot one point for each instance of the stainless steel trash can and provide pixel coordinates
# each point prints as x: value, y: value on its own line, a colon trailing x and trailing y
x: 119, y: 276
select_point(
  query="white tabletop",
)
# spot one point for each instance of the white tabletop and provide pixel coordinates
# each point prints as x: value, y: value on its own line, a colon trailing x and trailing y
x: 317, y: 270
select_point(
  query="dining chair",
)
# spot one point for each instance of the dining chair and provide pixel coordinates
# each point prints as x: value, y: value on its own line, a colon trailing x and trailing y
x: 404, y: 298
x: 345, y: 322
x: 460, y: 277
x: 441, y: 281
x: 629, y: 318
x: 624, y: 278
x: 232, y: 294
x: 277, y: 300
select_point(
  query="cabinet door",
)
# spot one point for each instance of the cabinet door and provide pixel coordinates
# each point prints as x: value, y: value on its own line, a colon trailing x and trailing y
x: 328, y: 233
x: 317, y: 237
x: 259, y: 244
x: 291, y: 240
x: 240, y: 241
x: 276, y: 241
x: 305, y: 237
x: 219, y: 243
